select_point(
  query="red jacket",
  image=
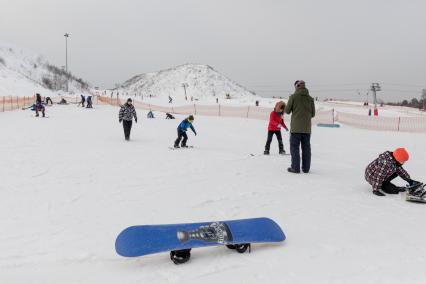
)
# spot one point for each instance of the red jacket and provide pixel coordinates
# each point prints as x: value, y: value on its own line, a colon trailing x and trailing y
x: 276, y: 121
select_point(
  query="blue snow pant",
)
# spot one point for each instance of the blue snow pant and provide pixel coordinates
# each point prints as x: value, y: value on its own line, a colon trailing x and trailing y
x: 297, y: 140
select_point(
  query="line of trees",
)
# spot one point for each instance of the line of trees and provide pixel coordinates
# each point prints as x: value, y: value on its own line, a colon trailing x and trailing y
x: 414, y: 102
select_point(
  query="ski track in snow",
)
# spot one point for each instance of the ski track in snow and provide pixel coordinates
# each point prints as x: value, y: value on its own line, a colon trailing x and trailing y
x: 70, y: 184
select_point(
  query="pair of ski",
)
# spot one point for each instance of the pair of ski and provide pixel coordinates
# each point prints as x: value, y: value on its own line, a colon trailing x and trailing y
x: 179, y: 239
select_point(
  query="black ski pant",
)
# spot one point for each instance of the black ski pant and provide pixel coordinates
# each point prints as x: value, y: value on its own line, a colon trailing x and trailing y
x: 279, y: 138
x: 127, y: 126
x: 297, y: 140
x: 181, y: 134
x: 389, y: 187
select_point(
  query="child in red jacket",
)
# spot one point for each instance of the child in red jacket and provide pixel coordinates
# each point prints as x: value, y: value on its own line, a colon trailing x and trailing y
x: 274, y: 127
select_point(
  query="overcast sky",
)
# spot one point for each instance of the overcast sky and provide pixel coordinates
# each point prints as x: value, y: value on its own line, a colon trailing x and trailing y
x: 336, y: 46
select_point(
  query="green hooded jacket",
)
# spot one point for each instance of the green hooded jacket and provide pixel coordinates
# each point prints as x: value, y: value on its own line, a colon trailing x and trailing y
x: 302, y: 108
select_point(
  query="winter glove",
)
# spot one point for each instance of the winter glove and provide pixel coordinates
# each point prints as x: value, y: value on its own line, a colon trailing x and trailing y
x: 120, y: 120
x: 136, y: 120
x: 413, y: 182
x: 286, y: 128
x: 195, y: 133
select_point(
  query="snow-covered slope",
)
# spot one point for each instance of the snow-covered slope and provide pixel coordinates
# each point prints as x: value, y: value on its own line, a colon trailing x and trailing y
x: 24, y: 72
x: 66, y: 191
x: 202, y: 82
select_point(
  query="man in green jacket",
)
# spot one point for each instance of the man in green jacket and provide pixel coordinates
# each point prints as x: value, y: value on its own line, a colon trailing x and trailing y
x: 302, y: 109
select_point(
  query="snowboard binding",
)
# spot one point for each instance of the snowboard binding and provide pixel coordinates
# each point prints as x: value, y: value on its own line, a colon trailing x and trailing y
x: 416, y: 192
x: 241, y: 248
x: 180, y: 256
x: 216, y: 232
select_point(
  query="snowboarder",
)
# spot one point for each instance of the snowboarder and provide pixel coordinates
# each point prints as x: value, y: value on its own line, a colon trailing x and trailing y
x: 126, y: 115
x: 302, y: 107
x: 63, y: 102
x: 89, y: 102
x: 380, y: 172
x: 170, y: 100
x: 275, y: 123
x: 181, y: 131
x: 39, y: 105
x: 48, y: 99
x: 150, y: 114
x: 83, y: 100
x: 169, y: 116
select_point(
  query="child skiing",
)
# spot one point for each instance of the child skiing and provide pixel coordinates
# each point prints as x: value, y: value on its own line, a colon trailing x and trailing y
x: 181, y: 131
x: 380, y: 172
x: 126, y: 114
x: 274, y: 127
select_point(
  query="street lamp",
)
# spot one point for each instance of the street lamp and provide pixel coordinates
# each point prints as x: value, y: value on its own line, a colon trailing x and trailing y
x: 66, y: 35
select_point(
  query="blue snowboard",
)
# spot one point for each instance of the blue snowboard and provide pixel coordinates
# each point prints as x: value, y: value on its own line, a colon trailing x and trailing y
x: 149, y: 239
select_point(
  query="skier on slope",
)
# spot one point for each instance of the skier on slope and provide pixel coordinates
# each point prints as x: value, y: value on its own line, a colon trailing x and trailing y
x: 276, y: 121
x: 181, y: 131
x: 380, y: 172
x: 39, y: 105
x: 126, y: 115
x: 83, y: 100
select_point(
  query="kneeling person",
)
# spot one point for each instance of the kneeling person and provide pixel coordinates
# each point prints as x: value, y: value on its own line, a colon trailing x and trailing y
x: 380, y: 172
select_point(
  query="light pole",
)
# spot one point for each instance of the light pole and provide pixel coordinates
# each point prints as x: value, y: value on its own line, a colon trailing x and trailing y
x: 66, y: 35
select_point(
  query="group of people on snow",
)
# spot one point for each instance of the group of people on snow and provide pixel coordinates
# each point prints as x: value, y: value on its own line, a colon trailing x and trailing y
x: 379, y: 173
x: 301, y: 106
x: 83, y: 101
x: 128, y: 112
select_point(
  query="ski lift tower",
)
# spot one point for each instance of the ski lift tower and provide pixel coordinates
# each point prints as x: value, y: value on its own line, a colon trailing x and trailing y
x: 375, y: 87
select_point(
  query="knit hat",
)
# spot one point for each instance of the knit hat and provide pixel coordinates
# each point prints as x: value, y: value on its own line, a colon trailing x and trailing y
x: 279, y: 106
x: 129, y: 100
x: 191, y: 118
x: 401, y: 155
x: 299, y: 83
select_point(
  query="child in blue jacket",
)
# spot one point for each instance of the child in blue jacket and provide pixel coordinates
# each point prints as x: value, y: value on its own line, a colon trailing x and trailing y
x: 181, y: 130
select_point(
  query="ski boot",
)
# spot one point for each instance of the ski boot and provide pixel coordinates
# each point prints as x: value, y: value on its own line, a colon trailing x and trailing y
x: 291, y: 170
x: 176, y: 146
x: 378, y: 193
x: 281, y: 152
x: 183, y: 146
x: 266, y: 152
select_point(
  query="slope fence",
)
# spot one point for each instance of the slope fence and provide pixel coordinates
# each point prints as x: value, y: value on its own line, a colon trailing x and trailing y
x: 403, y: 124
x: 9, y: 103
x: 253, y: 112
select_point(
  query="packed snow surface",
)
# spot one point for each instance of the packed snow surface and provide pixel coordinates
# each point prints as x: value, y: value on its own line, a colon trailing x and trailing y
x: 70, y: 183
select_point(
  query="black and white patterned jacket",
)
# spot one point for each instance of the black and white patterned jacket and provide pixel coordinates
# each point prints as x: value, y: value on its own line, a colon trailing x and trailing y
x: 382, y: 168
x: 127, y: 112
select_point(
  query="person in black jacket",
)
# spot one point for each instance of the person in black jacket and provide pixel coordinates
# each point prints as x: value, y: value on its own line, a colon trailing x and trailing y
x: 126, y: 115
x: 39, y: 105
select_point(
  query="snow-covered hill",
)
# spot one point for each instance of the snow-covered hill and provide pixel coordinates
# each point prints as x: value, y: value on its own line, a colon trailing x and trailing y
x: 201, y: 82
x: 24, y: 72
